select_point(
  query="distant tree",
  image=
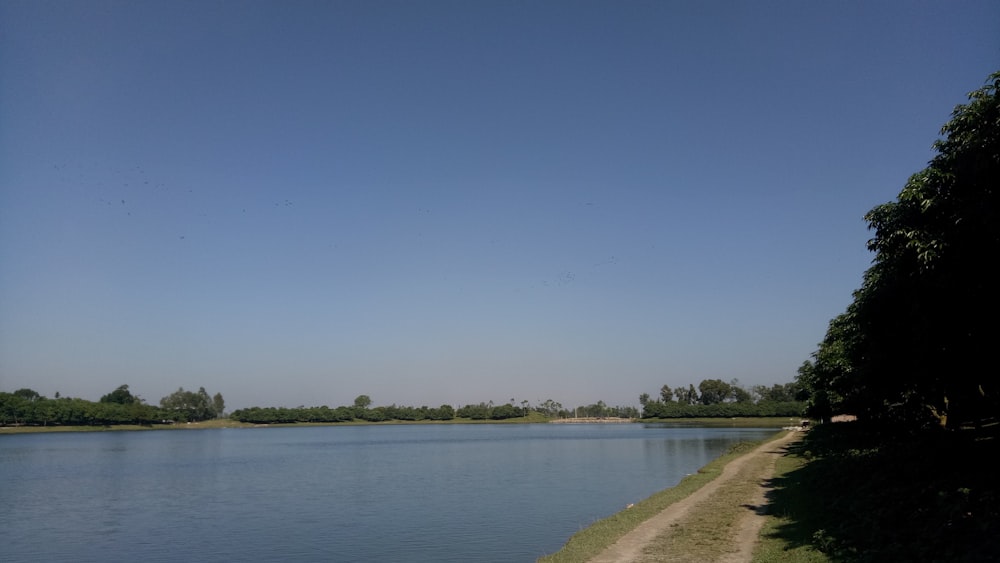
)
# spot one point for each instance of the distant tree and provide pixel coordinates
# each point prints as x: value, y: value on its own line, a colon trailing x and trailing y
x: 666, y: 394
x: 474, y: 412
x: 778, y: 393
x: 549, y: 407
x: 121, y: 396
x: 737, y: 393
x: 205, y: 406
x: 362, y: 401
x: 594, y: 410
x: 189, y: 406
x: 688, y: 396
x: 444, y: 412
x: 218, y: 404
x: 643, y: 399
x: 714, y: 391
x: 505, y: 411
x: 27, y: 394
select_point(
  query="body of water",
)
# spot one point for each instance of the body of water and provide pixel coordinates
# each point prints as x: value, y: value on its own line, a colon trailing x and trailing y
x: 406, y: 493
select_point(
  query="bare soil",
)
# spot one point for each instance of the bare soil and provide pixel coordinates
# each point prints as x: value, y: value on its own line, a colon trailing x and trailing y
x: 669, y: 535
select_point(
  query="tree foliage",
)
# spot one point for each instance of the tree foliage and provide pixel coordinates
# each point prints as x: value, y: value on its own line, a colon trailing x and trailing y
x: 121, y: 396
x: 721, y: 399
x: 913, y: 346
x: 27, y: 407
x: 219, y: 404
x: 666, y: 394
x: 713, y: 391
x: 192, y: 406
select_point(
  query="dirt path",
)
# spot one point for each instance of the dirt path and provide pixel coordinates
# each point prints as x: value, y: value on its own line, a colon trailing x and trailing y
x: 739, y: 489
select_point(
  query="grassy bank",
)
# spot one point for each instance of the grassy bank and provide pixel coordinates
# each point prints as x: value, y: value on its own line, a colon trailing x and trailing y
x: 217, y: 423
x: 777, y: 544
x: 852, y: 492
x: 590, y: 541
x: 735, y: 422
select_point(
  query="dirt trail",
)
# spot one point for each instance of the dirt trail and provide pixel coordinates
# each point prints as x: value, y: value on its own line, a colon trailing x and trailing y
x: 753, y: 468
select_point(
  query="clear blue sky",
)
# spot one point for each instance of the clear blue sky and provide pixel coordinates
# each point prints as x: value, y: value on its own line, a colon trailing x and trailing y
x: 294, y: 203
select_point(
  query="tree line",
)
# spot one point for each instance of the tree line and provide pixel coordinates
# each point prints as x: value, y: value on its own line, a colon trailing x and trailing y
x: 915, y: 347
x: 362, y: 410
x: 715, y: 398
x: 28, y: 407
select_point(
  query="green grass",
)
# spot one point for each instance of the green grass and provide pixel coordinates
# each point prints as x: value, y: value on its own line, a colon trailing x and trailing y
x: 590, y: 541
x: 793, y: 545
x: 217, y: 423
x: 708, y: 531
x: 737, y: 422
x: 855, y: 493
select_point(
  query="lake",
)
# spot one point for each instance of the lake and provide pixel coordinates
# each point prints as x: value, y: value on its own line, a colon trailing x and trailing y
x: 407, y: 493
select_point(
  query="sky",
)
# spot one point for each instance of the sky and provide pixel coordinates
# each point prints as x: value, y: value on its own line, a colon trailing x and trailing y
x: 452, y: 202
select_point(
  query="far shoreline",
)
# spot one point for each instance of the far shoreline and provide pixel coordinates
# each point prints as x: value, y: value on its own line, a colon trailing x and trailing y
x: 748, y: 422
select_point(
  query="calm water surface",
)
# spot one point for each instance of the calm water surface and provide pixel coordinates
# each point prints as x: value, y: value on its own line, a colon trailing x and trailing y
x: 355, y: 493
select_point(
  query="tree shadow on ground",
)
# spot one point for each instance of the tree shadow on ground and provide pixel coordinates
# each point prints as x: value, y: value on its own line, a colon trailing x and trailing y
x: 869, y: 494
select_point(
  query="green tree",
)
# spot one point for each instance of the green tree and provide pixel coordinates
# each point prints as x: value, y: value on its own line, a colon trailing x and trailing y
x: 666, y: 394
x: 912, y: 346
x: 740, y: 395
x: 714, y: 391
x: 444, y: 412
x: 505, y: 411
x: 121, y: 396
x: 189, y: 406
x: 204, y: 408
x: 218, y: 404
x: 362, y: 401
x: 778, y: 393
x: 549, y: 408
x: 688, y: 396
x: 27, y: 394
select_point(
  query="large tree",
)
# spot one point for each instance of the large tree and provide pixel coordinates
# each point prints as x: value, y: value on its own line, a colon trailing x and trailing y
x: 121, y: 396
x: 191, y: 406
x: 218, y: 404
x: 917, y: 341
x: 666, y: 394
x: 713, y: 391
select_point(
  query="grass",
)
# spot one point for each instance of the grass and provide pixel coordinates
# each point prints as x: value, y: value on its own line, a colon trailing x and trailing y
x: 590, y: 541
x: 217, y: 423
x: 708, y: 532
x: 855, y: 493
x: 737, y: 422
x: 778, y: 542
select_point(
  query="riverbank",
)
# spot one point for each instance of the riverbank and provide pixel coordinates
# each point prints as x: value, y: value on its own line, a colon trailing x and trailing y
x: 705, y: 516
x: 228, y: 423
x: 859, y: 491
x: 532, y: 418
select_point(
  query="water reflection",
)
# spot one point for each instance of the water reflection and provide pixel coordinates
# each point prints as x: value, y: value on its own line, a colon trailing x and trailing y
x: 414, y: 493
